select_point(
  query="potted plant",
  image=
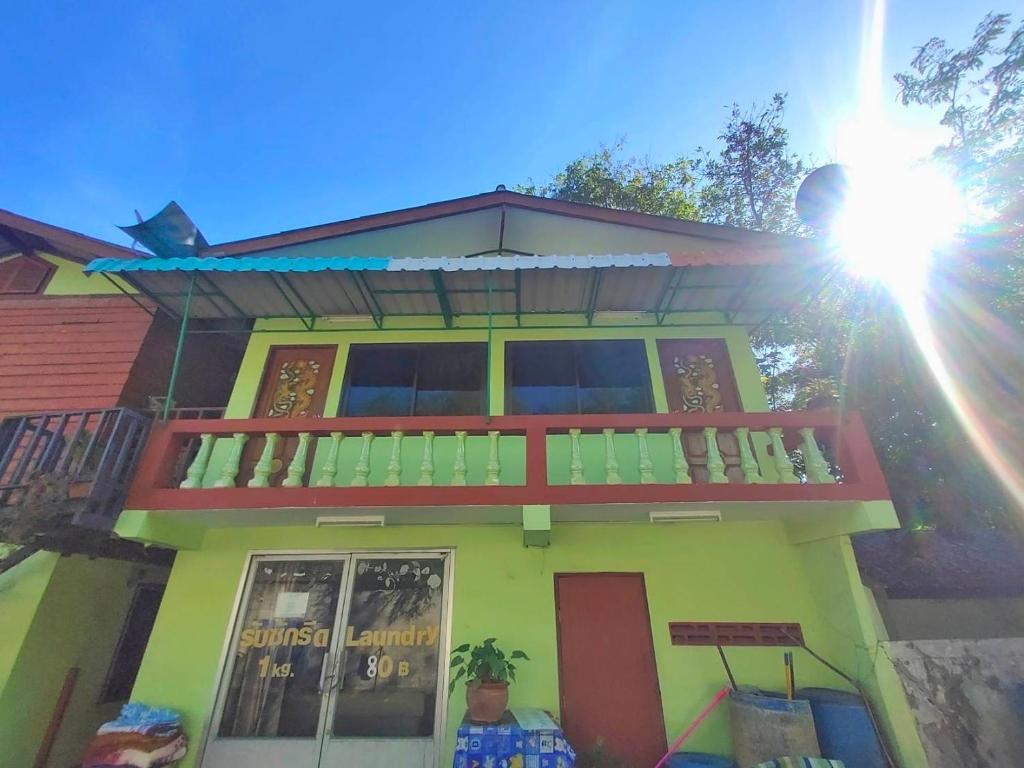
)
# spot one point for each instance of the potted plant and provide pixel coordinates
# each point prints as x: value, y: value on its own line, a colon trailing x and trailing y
x: 487, y: 671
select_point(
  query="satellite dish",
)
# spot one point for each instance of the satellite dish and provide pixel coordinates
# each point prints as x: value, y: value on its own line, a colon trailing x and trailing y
x: 821, y: 195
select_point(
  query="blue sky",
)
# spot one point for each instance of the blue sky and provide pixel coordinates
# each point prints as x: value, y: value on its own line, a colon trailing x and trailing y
x: 259, y: 117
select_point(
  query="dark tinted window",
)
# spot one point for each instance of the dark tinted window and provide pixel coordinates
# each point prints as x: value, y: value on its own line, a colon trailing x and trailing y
x: 128, y: 657
x: 577, y: 377
x: 415, y: 380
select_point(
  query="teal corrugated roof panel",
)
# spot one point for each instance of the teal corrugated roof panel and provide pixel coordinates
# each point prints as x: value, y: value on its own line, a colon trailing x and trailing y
x: 375, y: 263
x: 242, y: 264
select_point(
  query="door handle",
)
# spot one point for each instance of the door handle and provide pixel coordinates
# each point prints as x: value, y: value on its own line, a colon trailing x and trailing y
x: 337, y: 677
x: 326, y: 674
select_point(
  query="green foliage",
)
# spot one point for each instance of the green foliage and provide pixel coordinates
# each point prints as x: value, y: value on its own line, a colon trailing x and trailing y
x: 486, y: 662
x: 851, y: 347
x: 980, y: 90
x: 635, y: 184
x: 751, y: 181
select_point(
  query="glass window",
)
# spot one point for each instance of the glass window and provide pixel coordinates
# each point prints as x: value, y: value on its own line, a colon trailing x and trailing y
x: 577, y: 377
x: 392, y: 642
x: 130, y: 648
x: 415, y: 380
x: 283, y: 639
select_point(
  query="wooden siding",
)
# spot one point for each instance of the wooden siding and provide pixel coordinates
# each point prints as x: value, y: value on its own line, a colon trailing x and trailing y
x: 68, y: 352
x: 209, y: 364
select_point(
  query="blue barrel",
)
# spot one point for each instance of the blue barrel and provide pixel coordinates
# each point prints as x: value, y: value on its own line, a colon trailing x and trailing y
x: 699, y: 760
x: 844, y: 728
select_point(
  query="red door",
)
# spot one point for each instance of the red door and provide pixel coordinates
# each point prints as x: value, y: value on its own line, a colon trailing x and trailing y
x: 607, y: 677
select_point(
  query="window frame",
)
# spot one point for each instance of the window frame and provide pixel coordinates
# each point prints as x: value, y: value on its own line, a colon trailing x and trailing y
x: 647, y: 387
x: 346, y: 385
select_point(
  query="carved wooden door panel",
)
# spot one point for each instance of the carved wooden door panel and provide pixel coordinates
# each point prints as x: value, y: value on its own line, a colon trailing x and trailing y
x: 699, y: 379
x: 698, y: 376
x: 294, y: 386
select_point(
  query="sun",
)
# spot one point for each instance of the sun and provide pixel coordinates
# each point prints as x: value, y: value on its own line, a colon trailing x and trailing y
x: 893, y: 220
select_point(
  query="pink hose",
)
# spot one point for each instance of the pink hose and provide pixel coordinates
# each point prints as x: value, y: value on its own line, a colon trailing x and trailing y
x: 693, y: 726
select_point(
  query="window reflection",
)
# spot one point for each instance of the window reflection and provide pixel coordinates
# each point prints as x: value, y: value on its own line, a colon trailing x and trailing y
x: 392, y: 641
x: 285, y: 632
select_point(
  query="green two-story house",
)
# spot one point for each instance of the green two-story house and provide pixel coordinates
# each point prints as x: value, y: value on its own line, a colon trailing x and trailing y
x: 497, y: 416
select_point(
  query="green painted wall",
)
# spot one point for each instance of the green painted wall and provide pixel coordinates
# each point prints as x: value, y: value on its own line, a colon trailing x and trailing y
x: 21, y: 592
x: 285, y: 333
x: 68, y: 613
x: 830, y: 564
x: 279, y: 333
x: 728, y: 572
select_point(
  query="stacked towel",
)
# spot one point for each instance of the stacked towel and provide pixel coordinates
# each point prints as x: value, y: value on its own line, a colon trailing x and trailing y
x: 141, y: 737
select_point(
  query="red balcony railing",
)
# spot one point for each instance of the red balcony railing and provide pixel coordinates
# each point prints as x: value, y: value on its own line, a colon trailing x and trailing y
x: 506, y: 460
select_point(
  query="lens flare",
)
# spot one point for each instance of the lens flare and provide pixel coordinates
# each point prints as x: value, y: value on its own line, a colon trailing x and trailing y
x: 893, y: 220
x: 899, y: 212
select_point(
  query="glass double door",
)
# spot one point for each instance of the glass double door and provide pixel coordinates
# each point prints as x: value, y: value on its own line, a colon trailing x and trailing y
x: 336, y: 661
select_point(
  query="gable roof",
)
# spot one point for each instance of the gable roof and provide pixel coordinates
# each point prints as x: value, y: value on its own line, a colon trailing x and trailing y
x: 20, y: 233
x: 719, y: 237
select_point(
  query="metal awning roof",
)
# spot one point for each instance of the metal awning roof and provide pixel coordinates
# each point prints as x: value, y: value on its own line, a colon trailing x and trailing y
x: 249, y: 287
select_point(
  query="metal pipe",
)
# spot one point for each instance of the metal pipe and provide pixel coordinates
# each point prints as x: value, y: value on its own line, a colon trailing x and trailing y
x: 490, y: 333
x: 177, y: 350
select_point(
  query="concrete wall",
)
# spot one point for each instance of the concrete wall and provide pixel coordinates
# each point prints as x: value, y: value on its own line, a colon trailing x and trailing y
x: 952, y: 619
x: 967, y: 697
x: 59, y: 613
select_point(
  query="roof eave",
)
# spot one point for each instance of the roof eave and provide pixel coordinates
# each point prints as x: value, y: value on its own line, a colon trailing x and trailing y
x: 71, y: 245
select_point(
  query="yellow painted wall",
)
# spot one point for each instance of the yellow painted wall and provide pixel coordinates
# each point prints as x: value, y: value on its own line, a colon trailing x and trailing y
x: 70, y: 280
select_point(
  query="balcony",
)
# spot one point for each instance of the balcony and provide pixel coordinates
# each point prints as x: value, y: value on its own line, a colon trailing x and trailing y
x: 61, y: 472
x: 575, y: 464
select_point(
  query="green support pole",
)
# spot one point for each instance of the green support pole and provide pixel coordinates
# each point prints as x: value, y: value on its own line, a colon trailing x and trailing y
x: 177, y: 350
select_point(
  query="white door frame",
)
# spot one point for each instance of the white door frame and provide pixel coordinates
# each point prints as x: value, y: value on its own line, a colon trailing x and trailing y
x: 243, y: 590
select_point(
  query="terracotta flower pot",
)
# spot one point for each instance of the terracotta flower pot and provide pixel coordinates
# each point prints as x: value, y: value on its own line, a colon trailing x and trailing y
x: 486, y: 701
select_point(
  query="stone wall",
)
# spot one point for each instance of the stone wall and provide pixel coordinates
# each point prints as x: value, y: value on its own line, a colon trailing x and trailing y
x: 967, y: 697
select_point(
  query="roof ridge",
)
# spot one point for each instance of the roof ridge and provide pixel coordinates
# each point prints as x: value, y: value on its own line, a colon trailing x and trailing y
x: 487, y: 200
